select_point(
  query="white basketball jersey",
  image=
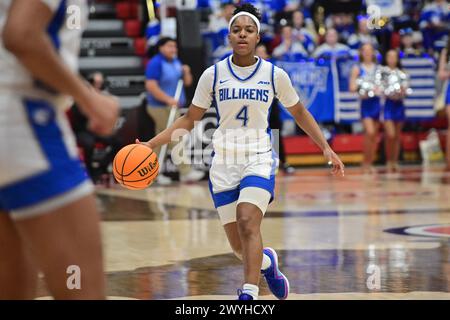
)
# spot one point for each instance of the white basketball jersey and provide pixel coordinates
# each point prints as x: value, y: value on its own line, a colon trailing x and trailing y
x: 64, y: 30
x: 243, y: 107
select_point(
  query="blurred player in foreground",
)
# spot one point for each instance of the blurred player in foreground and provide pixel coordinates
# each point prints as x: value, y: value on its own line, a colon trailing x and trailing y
x: 48, y: 216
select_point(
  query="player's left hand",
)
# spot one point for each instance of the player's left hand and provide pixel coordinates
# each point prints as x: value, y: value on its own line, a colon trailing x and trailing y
x: 334, y: 161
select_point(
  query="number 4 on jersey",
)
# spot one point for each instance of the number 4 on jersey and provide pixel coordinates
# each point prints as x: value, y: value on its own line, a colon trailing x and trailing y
x: 242, y: 115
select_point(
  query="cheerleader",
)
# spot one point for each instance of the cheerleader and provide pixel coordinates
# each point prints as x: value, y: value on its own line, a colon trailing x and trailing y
x: 393, y: 114
x: 366, y: 70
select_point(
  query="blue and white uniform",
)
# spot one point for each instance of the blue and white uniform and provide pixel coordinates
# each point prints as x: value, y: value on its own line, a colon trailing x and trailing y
x: 370, y: 107
x: 244, y: 163
x: 39, y: 165
x: 394, y: 110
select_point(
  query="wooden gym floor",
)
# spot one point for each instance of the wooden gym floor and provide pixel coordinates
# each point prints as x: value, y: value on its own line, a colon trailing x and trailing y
x: 385, y: 236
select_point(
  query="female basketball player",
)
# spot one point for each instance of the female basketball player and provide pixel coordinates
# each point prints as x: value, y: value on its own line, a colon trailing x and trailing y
x: 370, y: 106
x: 444, y: 75
x: 48, y: 217
x: 394, y: 115
x: 242, y: 174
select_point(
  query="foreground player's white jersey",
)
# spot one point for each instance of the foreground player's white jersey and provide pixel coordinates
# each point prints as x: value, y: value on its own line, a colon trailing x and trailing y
x: 242, y: 97
x: 65, y: 36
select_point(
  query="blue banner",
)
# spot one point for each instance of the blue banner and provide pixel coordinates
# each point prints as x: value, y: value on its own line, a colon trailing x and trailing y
x: 419, y: 105
x: 313, y: 83
x: 320, y: 83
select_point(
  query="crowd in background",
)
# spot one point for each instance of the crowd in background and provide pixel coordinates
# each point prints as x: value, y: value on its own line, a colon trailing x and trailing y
x: 299, y: 30
x: 295, y: 29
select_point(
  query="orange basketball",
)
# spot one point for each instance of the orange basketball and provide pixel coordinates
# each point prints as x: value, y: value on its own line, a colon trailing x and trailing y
x: 135, y: 166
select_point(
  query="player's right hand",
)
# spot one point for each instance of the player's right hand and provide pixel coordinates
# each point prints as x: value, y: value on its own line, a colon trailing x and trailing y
x: 334, y: 161
x: 102, y: 111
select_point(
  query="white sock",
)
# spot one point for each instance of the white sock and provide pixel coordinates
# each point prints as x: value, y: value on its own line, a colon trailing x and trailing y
x: 251, y: 289
x: 266, y: 262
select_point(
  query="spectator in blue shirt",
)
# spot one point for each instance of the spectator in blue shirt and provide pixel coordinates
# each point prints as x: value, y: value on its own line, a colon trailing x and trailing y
x: 289, y: 49
x: 408, y: 46
x: 162, y: 75
x: 331, y: 47
x: 356, y: 40
x: 218, y: 31
x: 343, y: 23
x: 434, y: 23
x: 301, y: 33
x: 218, y: 25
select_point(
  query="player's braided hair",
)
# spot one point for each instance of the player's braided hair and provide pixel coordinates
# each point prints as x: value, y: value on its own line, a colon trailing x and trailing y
x: 247, y: 7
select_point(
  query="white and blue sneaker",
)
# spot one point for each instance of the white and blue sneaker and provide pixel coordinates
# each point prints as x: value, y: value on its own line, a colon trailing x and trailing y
x: 243, y: 296
x: 277, y: 281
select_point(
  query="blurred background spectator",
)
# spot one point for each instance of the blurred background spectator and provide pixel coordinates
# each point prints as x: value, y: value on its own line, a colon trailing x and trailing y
x: 306, y: 36
x: 290, y: 48
x: 362, y: 36
x: 163, y: 73
x: 97, y: 151
x: 331, y: 46
x: 434, y: 23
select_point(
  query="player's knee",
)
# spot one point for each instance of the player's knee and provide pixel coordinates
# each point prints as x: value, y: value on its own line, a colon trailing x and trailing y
x: 246, y: 229
x: 247, y: 224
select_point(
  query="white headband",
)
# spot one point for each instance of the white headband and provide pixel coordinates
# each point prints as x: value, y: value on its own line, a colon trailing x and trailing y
x: 248, y: 14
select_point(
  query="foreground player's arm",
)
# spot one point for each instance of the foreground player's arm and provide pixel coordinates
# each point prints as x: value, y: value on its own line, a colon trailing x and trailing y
x: 25, y: 36
x: 185, y: 123
x: 288, y: 97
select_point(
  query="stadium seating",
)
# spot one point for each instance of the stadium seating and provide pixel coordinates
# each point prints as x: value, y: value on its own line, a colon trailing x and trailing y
x: 113, y: 45
x: 98, y: 46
